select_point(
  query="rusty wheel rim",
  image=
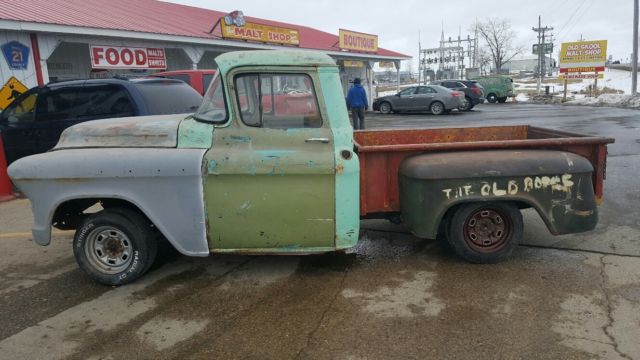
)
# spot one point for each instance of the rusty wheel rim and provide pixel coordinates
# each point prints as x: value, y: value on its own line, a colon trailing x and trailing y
x: 487, y: 230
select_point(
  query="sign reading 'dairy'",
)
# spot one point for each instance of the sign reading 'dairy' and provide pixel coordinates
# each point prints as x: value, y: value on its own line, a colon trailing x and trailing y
x: 16, y: 54
x: 351, y: 40
x: 123, y: 57
x: 583, y: 56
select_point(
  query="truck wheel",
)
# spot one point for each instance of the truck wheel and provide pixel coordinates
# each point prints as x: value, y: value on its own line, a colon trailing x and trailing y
x: 502, y: 100
x: 485, y: 232
x: 437, y: 108
x: 115, y: 246
x: 492, y: 98
x: 467, y: 104
x: 385, y: 108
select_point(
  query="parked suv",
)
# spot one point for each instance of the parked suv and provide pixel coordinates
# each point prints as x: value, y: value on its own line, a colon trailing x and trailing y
x: 198, y: 79
x: 33, y: 122
x: 473, y: 94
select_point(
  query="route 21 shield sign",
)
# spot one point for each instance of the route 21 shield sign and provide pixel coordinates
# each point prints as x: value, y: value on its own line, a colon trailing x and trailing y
x: 17, y: 55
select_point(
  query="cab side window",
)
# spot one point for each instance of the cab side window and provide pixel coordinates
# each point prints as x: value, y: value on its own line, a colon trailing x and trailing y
x: 104, y: 101
x: 277, y: 101
x: 56, y: 104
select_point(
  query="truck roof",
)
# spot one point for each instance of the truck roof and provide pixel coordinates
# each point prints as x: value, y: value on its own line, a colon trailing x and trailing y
x: 234, y: 59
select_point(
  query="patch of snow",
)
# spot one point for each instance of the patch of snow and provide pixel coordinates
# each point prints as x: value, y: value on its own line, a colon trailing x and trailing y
x: 522, y: 97
x: 619, y: 100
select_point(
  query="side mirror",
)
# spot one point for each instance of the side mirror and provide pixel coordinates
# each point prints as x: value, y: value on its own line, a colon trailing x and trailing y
x: 398, y: 94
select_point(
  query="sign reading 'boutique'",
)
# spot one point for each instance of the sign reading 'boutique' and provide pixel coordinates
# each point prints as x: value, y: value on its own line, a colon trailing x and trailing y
x: 351, y: 40
x: 121, y: 57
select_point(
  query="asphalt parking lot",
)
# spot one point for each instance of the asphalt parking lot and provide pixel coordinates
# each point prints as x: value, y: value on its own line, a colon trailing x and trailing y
x: 392, y: 297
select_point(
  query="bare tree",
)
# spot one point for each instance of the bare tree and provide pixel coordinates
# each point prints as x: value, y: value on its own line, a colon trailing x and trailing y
x: 498, y: 37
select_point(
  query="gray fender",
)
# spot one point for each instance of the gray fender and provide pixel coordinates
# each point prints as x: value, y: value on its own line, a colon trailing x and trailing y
x: 164, y: 183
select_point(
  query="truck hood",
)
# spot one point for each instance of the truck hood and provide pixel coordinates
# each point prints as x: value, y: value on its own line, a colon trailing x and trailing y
x: 157, y: 131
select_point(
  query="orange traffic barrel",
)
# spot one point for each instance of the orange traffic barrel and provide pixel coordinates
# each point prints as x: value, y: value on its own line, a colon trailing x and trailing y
x: 6, y: 190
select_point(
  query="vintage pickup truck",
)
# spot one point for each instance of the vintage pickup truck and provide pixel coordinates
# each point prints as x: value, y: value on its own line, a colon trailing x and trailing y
x: 247, y: 174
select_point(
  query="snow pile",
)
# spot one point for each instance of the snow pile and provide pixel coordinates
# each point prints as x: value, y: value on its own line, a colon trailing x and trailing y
x: 617, y: 100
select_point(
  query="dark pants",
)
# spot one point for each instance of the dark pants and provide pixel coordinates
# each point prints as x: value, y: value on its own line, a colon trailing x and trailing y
x: 357, y: 114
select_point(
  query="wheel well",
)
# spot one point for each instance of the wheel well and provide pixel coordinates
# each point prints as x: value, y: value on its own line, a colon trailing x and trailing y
x: 71, y: 213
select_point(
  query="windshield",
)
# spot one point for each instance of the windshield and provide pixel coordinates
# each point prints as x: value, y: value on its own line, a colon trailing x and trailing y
x: 213, y: 108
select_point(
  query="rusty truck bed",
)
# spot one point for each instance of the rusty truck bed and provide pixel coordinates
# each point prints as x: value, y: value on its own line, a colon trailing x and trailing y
x: 381, y: 152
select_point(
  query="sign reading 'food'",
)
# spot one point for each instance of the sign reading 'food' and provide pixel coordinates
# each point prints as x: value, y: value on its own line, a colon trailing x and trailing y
x: 122, y: 57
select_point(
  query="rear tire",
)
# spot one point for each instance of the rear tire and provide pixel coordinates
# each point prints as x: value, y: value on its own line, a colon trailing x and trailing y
x: 502, y: 100
x: 437, y: 108
x: 485, y: 233
x: 115, y: 246
x: 492, y: 98
x: 386, y: 108
x: 466, y: 105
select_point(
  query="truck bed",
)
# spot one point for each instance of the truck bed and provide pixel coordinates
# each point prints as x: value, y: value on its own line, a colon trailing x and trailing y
x: 382, y: 151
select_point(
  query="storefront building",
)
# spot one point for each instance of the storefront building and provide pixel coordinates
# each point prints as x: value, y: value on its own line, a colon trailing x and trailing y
x: 54, y: 40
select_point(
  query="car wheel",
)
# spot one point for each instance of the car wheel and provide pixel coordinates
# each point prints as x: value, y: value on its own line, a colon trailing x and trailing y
x: 385, y: 108
x: 115, y: 246
x: 485, y: 232
x: 492, y: 98
x: 467, y: 104
x: 502, y: 100
x: 437, y: 108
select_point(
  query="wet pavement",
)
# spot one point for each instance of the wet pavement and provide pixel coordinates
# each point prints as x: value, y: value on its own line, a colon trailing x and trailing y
x: 391, y: 297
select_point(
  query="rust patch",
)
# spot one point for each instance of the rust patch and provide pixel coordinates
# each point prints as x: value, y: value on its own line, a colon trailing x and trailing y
x: 339, y: 169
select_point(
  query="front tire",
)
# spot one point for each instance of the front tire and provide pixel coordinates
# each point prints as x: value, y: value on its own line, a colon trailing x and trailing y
x: 492, y: 98
x: 386, y: 108
x: 485, y: 232
x: 115, y: 246
x: 437, y: 108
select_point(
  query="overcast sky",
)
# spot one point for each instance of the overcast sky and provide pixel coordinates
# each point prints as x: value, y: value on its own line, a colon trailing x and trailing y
x: 398, y: 22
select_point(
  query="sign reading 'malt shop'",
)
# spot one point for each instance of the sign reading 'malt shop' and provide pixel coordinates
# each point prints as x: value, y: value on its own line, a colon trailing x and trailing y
x: 122, y: 57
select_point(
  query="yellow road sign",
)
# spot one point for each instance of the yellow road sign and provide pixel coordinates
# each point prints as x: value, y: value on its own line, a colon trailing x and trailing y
x: 10, y: 91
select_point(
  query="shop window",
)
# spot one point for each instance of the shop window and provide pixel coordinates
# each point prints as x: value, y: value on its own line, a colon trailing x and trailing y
x: 277, y: 101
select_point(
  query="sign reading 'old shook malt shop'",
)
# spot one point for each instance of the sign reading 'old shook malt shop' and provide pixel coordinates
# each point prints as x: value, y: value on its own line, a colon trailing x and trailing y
x: 351, y: 40
x: 235, y: 27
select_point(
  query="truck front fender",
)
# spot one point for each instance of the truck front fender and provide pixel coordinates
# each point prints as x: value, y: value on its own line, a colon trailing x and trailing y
x: 557, y: 184
x: 164, y: 184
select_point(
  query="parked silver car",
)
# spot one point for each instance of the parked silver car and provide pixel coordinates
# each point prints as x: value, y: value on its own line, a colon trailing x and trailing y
x: 434, y: 98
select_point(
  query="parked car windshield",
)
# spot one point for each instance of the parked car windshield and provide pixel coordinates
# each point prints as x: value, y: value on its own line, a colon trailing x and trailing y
x: 213, y: 107
x: 169, y: 97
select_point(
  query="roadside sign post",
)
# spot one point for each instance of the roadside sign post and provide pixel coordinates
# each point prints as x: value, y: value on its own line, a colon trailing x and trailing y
x: 564, y: 94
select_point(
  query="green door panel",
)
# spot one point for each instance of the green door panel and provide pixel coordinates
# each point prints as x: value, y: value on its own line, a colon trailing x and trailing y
x: 270, y: 189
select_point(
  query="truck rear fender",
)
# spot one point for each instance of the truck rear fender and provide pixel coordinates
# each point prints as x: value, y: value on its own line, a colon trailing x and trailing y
x: 555, y: 183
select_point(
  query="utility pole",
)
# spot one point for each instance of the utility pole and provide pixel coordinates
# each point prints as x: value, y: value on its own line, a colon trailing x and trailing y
x: 541, y: 44
x: 419, y: 58
x: 634, y: 60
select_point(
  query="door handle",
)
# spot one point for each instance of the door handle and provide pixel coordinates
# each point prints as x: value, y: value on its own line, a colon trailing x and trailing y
x: 320, y: 140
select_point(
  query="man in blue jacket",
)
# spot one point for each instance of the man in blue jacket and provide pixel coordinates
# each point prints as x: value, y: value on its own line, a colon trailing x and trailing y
x: 357, y: 102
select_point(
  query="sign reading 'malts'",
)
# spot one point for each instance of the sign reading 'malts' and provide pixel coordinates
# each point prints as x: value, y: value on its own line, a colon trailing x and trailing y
x: 259, y: 32
x: 121, y: 57
x: 351, y: 40
x: 583, y: 56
